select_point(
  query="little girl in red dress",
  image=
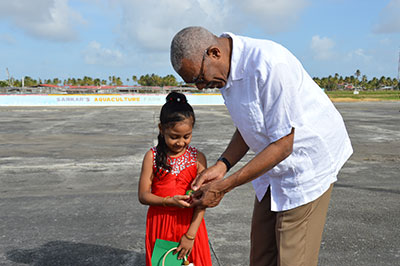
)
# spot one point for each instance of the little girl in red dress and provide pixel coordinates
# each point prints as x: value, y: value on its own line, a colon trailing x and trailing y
x: 167, y: 172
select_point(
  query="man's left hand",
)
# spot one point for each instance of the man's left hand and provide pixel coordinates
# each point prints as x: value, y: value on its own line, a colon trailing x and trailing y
x: 208, y: 195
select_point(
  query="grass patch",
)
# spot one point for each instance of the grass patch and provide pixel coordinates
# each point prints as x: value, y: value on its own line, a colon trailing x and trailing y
x: 366, y: 95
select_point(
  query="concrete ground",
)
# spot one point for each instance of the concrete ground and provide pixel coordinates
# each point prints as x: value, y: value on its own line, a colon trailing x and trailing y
x: 68, y: 187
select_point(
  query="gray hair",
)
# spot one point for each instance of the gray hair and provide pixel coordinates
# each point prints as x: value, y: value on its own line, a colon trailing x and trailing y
x: 190, y: 43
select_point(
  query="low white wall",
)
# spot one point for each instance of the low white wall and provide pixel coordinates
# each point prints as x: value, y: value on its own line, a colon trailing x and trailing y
x: 103, y: 99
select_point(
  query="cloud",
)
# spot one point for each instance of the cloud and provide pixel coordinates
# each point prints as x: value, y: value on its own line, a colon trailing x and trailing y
x: 272, y: 16
x: 150, y: 25
x: 95, y: 54
x: 7, y: 39
x: 359, y: 55
x: 50, y: 20
x: 385, y: 41
x: 322, y: 47
x: 389, y: 19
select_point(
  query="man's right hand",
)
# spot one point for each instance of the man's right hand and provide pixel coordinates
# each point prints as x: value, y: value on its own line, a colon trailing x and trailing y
x: 215, y: 172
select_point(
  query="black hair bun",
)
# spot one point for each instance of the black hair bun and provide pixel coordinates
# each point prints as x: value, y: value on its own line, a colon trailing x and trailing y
x: 176, y: 97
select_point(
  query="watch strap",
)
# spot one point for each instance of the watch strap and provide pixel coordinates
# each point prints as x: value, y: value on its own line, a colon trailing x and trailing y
x: 226, y: 162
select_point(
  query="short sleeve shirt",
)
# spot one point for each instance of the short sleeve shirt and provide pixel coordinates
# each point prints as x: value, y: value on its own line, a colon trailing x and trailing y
x: 268, y: 93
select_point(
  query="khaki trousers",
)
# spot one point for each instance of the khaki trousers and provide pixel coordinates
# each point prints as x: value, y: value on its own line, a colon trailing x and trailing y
x: 287, y: 238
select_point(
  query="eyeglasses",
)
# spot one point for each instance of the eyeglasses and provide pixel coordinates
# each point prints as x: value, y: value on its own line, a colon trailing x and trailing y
x: 200, y: 77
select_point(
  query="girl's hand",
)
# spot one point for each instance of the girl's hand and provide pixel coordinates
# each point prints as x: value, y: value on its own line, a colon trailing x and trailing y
x: 184, y: 248
x: 181, y: 201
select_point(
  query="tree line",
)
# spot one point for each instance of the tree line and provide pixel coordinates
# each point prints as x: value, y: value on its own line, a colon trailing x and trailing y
x: 144, y: 80
x: 356, y: 81
x: 335, y: 82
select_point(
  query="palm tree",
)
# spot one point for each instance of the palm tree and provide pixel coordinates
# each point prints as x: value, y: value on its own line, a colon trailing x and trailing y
x: 134, y: 79
x: 364, y: 81
x: 358, y: 74
x: 382, y: 81
x: 373, y: 83
x: 118, y: 81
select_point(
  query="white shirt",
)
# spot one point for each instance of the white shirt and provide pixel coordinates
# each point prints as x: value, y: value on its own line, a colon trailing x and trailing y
x: 268, y: 93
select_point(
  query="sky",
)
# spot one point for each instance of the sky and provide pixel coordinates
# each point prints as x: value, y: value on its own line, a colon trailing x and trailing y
x: 64, y: 39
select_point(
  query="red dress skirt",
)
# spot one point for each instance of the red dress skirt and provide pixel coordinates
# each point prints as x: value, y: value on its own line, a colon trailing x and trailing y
x: 171, y: 223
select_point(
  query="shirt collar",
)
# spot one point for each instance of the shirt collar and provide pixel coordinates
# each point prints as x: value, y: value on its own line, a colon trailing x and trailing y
x: 236, y: 71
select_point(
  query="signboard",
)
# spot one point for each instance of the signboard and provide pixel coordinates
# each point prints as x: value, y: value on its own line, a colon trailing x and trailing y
x: 102, y: 99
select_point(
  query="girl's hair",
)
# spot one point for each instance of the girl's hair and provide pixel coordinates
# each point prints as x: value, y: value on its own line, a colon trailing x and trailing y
x: 176, y: 109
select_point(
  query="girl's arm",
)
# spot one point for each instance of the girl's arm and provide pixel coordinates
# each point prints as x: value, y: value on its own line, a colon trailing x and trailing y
x: 187, y: 240
x: 146, y: 179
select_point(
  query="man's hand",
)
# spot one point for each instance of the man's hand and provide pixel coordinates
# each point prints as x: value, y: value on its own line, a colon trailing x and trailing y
x: 209, y: 195
x: 215, y: 172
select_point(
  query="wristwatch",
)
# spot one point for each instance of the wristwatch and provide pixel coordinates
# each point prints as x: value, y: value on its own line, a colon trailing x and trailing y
x: 226, y: 162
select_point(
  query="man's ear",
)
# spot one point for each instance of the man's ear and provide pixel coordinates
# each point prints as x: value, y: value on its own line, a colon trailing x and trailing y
x: 214, y: 52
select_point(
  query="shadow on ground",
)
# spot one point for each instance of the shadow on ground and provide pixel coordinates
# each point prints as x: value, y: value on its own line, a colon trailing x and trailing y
x: 63, y: 253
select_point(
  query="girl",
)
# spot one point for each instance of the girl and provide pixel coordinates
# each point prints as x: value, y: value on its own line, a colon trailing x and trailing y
x: 167, y: 172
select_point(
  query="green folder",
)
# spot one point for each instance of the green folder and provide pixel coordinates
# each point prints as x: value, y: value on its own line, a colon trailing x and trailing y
x: 161, y: 247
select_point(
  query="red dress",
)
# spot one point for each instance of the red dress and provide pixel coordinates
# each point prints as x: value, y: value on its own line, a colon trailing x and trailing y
x: 170, y: 223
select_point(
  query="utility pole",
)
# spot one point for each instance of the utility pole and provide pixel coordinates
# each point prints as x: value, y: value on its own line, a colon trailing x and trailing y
x: 398, y: 68
x: 8, y: 77
x: 398, y: 72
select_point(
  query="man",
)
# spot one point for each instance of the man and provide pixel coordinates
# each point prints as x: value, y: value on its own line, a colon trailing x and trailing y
x: 280, y: 113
